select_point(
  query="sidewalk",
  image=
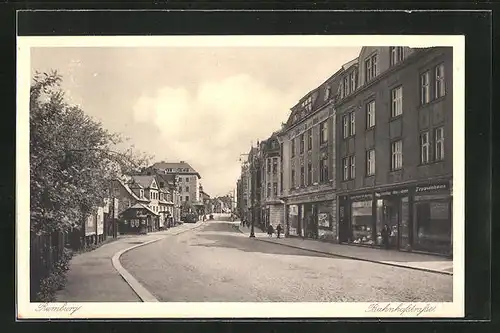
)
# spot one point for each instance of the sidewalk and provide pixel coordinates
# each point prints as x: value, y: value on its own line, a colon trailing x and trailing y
x: 93, y: 278
x: 417, y: 261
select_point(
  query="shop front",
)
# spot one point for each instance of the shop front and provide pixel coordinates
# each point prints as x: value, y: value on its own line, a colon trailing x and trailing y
x: 312, y: 216
x: 137, y: 219
x: 410, y: 218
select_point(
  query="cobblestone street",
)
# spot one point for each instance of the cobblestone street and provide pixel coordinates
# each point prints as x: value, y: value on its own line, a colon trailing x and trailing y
x: 218, y: 263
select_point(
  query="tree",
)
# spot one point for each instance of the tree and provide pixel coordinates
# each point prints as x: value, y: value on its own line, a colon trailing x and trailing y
x: 73, y: 159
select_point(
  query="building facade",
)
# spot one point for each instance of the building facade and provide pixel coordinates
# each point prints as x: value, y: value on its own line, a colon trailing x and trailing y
x: 272, y: 207
x: 308, y: 154
x: 395, y: 153
x: 187, y: 181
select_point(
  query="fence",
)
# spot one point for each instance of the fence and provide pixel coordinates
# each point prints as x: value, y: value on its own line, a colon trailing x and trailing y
x: 45, y: 251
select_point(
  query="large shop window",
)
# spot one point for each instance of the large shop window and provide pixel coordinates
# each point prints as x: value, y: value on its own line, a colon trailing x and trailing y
x: 432, y: 226
x: 361, y: 222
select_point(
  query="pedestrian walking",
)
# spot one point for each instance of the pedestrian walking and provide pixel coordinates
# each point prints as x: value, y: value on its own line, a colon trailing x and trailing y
x: 385, y: 236
x: 270, y: 230
x: 279, y: 229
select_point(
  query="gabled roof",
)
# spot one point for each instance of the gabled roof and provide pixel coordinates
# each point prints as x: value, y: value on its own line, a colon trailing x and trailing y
x: 141, y: 206
x: 144, y: 181
x: 181, y: 167
x: 129, y: 191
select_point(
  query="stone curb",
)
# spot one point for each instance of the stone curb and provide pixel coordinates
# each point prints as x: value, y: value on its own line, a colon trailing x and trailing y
x: 430, y: 270
x: 138, y: 288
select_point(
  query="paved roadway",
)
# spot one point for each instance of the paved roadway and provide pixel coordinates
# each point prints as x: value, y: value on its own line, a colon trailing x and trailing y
x: 216, y: 263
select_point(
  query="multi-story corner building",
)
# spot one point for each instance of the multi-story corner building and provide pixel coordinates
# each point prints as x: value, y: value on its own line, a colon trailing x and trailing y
x: 395, y: 151
x: 188, y: 184
x: 308, y: 152
x: 272, y: 207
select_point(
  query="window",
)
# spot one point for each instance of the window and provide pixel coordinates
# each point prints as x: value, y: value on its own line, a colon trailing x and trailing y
x: 370, y: 114
x: 268, y: 165
x: 293, y: 178
x: 293, y: 147
x: 345, y: 164
x: 440, y: 87
x: 396, y: 101
x: 281, y: 182
x: 352, y: 118
x: 309, y: 174
x: 352, y: 163
x: 371, y: 67
x: 425, y: 90
x: 346, y: 85
x: 275, y: 165
x: 424, y: 148
x: 187, y: 197
x: 307, y: 104
x: 302, y: 176
x: 275, y: 189
x: 141, y: 193
x: 323, y: 167
x: 162, y: 184
x: 396, y: 155
x: 439, y: 149
x: 187, y: 188
x: 327, y: 92
x: 268, y: 190
x: 187, y: 180
x: 302, y: 143
x: 370, y: 162
x: 309, y: 139
x: 397, y: 54
x: 353, y: 80
x: 323, y: 132
x: 345, y: 127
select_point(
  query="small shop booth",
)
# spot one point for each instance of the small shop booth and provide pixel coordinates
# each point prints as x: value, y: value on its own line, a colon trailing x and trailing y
x: 137, y: 219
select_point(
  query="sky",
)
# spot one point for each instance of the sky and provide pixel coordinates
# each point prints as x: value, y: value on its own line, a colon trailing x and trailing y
x: 205, y: 106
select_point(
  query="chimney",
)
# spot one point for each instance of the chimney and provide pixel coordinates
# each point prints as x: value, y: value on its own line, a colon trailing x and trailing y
x: 182, y: 162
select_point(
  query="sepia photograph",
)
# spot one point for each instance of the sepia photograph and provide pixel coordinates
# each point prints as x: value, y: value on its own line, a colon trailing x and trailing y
x: 240, y: 176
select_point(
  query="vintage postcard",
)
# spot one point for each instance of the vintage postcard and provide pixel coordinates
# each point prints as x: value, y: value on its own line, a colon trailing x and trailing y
x: 240, y: 177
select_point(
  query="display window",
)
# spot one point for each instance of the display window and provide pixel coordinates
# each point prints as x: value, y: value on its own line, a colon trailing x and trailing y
x: 432, y: 225
x: 362, y: 222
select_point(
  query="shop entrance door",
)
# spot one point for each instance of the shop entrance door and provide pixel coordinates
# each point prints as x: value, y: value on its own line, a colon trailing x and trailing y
x: 343, y: 224
x: 404, y: 224
x: 391, y: 218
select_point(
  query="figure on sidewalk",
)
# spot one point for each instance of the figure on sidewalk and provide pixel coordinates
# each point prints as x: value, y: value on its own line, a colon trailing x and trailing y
x: 270, y: 230
x: 385, y: 236
x: 279, y: 229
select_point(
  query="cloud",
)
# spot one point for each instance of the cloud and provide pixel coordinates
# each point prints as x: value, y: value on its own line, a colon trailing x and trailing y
x: 210, y: 126
x: 204, y: 105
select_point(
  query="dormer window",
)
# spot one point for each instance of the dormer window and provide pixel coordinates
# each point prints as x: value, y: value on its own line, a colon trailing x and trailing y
x: 397, y: 54
x: 370, y: 67
x: 346, y: 86
x: 307, y: 104
x: 353, y: 80
x: 327, y: 92
x: 141, y: 193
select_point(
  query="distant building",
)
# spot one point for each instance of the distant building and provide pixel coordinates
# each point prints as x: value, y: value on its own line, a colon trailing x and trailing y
x: 188, y: 181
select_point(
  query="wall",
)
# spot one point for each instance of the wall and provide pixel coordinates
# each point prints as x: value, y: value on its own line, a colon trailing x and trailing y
x: 406, y: 127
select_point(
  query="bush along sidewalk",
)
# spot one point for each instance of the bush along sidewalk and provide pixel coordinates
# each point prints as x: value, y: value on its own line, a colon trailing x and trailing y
x: 56, y: 279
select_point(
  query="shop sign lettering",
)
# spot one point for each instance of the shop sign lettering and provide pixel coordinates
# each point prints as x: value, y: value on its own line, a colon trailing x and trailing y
x: 361, y: 197
x: 391, y: 192
x: 431, y: 188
